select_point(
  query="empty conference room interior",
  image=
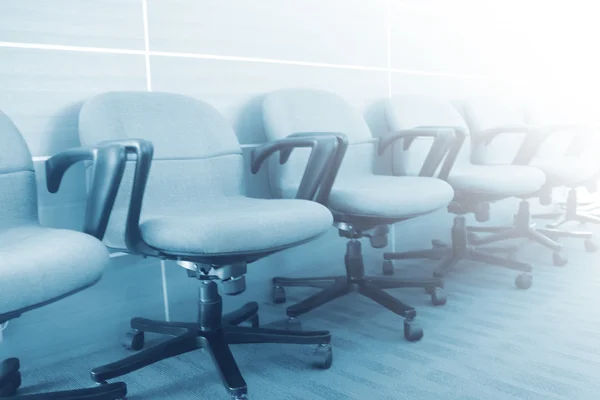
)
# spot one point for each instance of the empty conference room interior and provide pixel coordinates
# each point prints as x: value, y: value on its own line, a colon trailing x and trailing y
x: 299, y: 199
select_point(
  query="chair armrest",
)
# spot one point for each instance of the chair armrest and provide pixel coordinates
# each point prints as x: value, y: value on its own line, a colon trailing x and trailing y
x: 323, y: 147
x: 443, y: 137
x: 107, y: 171
x: 534, y: 138
x: 580, y: 136
x: 460, y: 135
x: 140, y: 151
x: 333, y: 166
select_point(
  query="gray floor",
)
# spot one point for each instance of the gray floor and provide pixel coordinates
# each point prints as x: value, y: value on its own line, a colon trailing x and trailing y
x: 491, y: 341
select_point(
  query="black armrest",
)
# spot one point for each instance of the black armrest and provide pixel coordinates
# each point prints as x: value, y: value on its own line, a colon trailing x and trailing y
x: 323, y: 147
x: 534, y: 137
x: 107, y: 171
x: 333, y: 166
x: 141, y: 151
x: 460, y: 135
x: 444, y: 137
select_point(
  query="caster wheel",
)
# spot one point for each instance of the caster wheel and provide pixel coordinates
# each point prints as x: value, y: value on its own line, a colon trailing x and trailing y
x: 438, y: 244
x: 379, y: 242
x: 590, y: 246
x: 323, y: 356
x: 388, y: 267
x: 278, y: 295
x: 239, y: 397
x: 558, y: 259
x: 133, y: 340
x: 472, y: 237
x: 438, y: 297
x: 9, y: 366
x: 482, y: 215
x: 10, y: 388
x: 293, y: 324
x: 412, y: 331
x: 524, y: 281
x: 255, y: 321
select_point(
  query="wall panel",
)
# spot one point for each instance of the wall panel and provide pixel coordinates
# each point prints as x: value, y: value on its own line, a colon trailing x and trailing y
x: 323, y: 31
x: 89, y: 23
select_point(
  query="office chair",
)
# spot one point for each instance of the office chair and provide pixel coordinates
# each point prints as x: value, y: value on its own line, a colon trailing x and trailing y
x: 363, y: 204
x: 485, y: 115
x: 41, y: 265
x: 475, y: 186
x: 182, y: 199
x: 570, y: 162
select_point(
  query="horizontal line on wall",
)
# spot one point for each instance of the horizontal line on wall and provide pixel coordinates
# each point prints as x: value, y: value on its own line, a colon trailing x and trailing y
x: 81, y: 49
x: 443, y: 74
x: 265, y: 60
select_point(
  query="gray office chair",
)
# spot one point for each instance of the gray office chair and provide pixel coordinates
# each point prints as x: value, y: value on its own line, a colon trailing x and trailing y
x: 485, y: 115
x: 182, y: 198
x: 41, y: 265
x: 360, y: 201
x: 475, y: 186
x: 569, y: 161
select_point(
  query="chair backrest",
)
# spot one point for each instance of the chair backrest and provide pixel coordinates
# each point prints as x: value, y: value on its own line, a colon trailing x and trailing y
x: 550, y: 113
x: 289, y: 111
x: 412, y: 111
x: 18, y: 191
x: 486, y: 113
x: 197, y: 157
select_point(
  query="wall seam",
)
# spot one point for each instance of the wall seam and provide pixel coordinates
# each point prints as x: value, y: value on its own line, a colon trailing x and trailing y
x: 147, y: 53
x: 163, y: 272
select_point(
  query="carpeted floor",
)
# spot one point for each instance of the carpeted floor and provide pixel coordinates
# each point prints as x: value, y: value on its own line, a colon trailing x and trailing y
x: 490, y: 341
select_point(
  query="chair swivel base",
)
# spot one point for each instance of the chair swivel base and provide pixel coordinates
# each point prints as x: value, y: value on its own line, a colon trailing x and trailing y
x: 523, y: 228
x: 213, y: 332
x: 460, y: 250
x: 368, y: 286
x: 10, y: 381
x: 572, y: 213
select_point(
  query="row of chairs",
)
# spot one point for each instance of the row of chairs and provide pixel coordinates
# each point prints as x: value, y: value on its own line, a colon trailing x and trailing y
x: 166, y: 180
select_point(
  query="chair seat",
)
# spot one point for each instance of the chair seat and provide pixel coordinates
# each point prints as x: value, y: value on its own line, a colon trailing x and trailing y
x: 389, y: 197
x: 234, y: 225
x: 39, y: 265
x: 497, y: 180
x: 567, y: 170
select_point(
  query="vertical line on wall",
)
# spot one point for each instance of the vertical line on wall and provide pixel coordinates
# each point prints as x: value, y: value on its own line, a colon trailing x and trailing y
x: 388, y: 17
x: 163, y: 271
x: 147, y: 45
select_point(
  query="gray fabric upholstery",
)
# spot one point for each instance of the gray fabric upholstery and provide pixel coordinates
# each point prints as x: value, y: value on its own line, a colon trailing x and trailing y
x: 236, y: 225
x: 194, y: 200
x: 41, y: 264
x: 497, y: 180
x: 484, y: 113
x: 389, y: 197
x: 559, y: 167
x: 357, y: 190
x: 290, y: 111
x: 568, y: 170
x: 37, y: 264
x: 409, y: 111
